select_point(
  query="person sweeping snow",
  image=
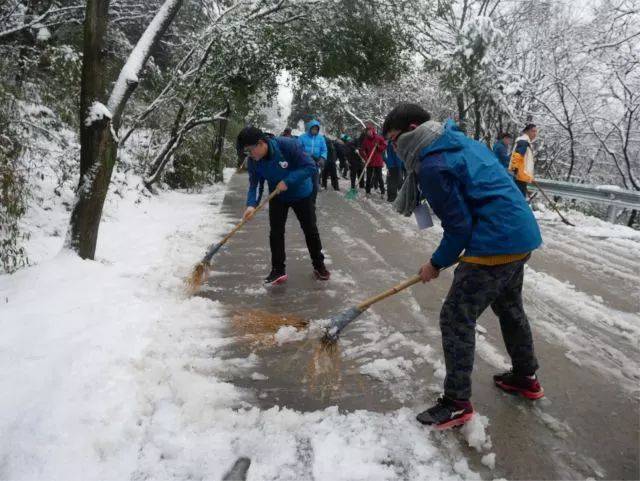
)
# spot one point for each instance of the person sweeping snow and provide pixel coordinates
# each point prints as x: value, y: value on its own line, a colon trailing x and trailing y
x: 289, y: 169
x: 491, y: 230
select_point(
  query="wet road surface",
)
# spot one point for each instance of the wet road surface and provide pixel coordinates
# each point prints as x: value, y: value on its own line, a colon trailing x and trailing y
x: 587, y: 426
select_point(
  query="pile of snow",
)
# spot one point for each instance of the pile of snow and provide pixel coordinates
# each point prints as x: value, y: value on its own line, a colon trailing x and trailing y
x: 388, y: 369
x: 288, y: 334
x: 475, y: 432
x: 97, y: 112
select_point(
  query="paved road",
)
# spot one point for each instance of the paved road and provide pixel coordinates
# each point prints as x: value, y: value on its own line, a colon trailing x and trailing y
x: 581, y: 296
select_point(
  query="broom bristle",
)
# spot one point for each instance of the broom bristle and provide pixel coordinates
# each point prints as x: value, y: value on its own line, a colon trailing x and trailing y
x: 197, y: 277
x: 324, y: 370
x: 329, y: 343
x: 259, y: 328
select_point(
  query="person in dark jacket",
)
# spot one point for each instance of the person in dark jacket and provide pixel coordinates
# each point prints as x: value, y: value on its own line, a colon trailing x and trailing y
x: 289, y: 169
x: 490, y: 230
x: 341, y: 152
x: 502, y: 148
x: 356, y: 164
x: 395, y: 167
x: 330, y: 169
x: 373, y: 144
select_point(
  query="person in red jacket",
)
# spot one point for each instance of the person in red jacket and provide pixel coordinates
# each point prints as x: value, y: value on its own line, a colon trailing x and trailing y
x: 372, y: 141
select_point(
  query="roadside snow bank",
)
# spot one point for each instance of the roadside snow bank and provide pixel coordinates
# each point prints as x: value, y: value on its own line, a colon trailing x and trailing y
x: 73, y: 332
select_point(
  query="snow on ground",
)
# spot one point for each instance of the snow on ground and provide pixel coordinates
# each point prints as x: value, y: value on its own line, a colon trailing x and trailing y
x: 111, y: 372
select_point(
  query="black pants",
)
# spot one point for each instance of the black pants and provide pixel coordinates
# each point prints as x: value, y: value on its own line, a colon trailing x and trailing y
x: 374, y: 178
x: 305, y: 211
x: 394, y: 180
x: 315, y: 179
x: 476, y: 287
x: 344, y: 169
x: 330, y: 171
x: 355, y: 172
x: 523, y: 188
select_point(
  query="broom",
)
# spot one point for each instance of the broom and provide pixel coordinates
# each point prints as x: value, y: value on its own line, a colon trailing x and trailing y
x: 200, y: 271
x: 553, y: 204
x: 353, y: 193
x: 339, y: 322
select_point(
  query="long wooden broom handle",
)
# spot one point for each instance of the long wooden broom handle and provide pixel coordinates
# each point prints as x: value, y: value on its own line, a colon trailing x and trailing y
x: 244, y: 221
x: 397, y: 288
x: 394, y: 290
x: 553, y: 204
x: 364, y: 169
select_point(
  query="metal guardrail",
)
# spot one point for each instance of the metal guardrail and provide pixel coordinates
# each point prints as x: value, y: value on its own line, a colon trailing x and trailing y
x: 600, y: 194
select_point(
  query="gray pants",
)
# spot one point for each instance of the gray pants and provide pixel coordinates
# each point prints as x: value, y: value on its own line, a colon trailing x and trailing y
x: 476, y: 287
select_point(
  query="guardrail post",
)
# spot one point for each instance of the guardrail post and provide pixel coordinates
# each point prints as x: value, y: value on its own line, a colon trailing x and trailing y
x: 612, y: 213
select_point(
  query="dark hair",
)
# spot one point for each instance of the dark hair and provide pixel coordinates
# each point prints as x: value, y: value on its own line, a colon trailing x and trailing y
x: 250, y: 136
x: 528, y: 127
x: 502, y: 135
x: 403, y: 115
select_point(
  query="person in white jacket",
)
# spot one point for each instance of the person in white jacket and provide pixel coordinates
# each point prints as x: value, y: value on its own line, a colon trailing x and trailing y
x: 522, y: 159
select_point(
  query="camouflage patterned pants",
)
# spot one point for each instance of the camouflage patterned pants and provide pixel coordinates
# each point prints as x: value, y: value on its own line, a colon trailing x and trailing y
x: 474, y: 288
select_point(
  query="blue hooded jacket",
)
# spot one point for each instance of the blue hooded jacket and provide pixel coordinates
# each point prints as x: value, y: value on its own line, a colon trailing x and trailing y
x: 482, y: 211
x: 314, y: 145
x: 391, y: 159
x: 502, y: 152
x: 285, y: 161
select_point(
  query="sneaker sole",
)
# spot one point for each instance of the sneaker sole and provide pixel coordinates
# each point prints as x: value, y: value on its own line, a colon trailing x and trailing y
x: 451, y: 424
x: 516, y: 390
x: 278, y: 281
x: 321, y: 278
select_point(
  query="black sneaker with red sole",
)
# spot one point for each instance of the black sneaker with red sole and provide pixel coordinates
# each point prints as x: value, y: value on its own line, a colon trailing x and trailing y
x: 275, y: 278
x: 515, y: 383
x: 321, y: 273
x: 446, y: 414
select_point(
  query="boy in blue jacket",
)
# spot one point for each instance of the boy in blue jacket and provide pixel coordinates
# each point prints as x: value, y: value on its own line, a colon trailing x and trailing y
x: 491, y: 230
x: 502, y: 148
x: 287, y: 168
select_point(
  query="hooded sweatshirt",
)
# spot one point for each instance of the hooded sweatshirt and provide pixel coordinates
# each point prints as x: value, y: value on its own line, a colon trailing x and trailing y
x: 482, y: 211
x: 376, y: 144
x: 285, y: 161
x: 522, y: 160
x: 314, y: 145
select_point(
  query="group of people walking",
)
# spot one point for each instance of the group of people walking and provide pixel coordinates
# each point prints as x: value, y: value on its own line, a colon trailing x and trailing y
x: 361, y: 160
x: 489, y: 230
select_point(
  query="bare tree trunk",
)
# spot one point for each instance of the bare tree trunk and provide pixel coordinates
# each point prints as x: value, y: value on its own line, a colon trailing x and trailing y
x: 97, y: 146
x: 478, y: 118
x: 461, y: 112
x: 218, y: 167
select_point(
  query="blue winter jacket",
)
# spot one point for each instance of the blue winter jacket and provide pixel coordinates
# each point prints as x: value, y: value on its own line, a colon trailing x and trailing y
x: 314, y: 145
x: 391, y: 159
x: 482, y: 211
x: 285, y: 161
x: 502, y: 152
